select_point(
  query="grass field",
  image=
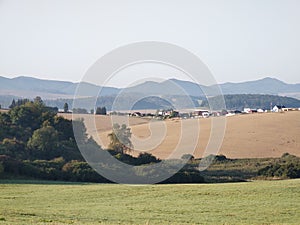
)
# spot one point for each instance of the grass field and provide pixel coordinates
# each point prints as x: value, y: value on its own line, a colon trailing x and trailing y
x: 259, y: 202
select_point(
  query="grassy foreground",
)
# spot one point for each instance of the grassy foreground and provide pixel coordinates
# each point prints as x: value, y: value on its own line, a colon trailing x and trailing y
x: 258, y: 202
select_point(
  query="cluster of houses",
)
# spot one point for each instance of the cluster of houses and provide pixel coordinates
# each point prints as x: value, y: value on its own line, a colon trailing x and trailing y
x: 204, y: 113
x: 276, y: 108
x: 169, y: 113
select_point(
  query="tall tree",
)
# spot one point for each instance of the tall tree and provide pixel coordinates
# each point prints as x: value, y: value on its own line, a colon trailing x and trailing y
x: 44, y: 142
x: 120, y: 139
x: 38, y: 100
x: 101, y: 111
x: 13, y: 104
x: 66, y: 107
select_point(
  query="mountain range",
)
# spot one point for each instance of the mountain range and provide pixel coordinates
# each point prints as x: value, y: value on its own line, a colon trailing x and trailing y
x: 28, y: 86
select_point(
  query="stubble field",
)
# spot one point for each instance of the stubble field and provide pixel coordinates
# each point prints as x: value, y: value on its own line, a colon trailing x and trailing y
x: 246, y: 136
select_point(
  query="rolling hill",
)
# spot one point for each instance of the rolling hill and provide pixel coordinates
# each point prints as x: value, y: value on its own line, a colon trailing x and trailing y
x: 246, y: 136
x: 173, y: 91
x: 266, y: 85
x: 29, y: 84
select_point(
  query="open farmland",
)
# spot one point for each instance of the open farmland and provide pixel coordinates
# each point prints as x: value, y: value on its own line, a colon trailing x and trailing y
x: 246, y: 136
x: 259, y: 202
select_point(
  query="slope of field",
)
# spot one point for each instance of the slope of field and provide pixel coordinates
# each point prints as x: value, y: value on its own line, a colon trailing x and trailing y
x: 262, y: 135
x: 246, y: 136
x: 259, y: 202
x: 104, y: 123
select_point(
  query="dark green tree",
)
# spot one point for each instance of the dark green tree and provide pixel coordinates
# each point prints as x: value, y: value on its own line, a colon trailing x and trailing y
x: 101, y: 111
x: 187, y: 157
x: 44, y: 143
x: 104, y: 111
x: 28, y: 115
x: 13, y: 148
x: 145, y: 158
x: 1, y: 169
x: 63, y: 127
x: 22, y: 101
x: 38, y: 100
x: 80, y: 111
x: 98, y: 111
x: 66, y: 107
x: 13, y: 104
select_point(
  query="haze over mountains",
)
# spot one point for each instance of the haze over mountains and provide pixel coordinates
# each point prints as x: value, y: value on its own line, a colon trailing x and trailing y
x: 29, y: 87
x: 171, y: 93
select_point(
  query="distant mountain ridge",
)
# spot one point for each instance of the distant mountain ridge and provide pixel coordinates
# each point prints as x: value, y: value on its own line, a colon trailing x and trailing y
x: 263, y: 86
x: 26, y: 86
x: 51, y: 89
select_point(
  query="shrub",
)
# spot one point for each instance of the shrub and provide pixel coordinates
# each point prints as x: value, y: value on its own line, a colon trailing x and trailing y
x: 146, y: 158
x: 187, y: 157
x: 185, y: 176
x: 288, y: 170
x: 1, y: 169
x: 81, y: 171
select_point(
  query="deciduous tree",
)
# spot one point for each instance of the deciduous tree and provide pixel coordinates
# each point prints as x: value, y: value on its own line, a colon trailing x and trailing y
x: 120, y: 139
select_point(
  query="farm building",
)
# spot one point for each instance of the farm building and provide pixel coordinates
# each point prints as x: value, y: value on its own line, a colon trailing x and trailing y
x: 278, y: 108
x: 247, y: 110
x: 200, y: 113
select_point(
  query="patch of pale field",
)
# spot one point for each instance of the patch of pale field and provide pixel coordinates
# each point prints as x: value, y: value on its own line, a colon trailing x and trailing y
x: 101, y: 123
x: 262, y: 135
x: 246, y: 136
x: 3, y: 110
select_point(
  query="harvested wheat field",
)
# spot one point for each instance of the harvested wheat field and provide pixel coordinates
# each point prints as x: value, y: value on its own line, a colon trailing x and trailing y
x: 246, y: 136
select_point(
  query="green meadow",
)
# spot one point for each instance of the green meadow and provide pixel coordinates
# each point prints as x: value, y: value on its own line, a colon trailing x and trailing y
x: 257, y: 202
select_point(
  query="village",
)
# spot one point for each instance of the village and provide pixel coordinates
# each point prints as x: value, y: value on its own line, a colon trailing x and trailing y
x: 199, y: 113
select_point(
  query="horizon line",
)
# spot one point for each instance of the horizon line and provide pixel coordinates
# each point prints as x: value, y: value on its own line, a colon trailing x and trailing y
x: 76, y: 82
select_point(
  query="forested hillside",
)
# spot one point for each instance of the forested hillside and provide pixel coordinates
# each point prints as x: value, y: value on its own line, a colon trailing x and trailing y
x: 255, y: 101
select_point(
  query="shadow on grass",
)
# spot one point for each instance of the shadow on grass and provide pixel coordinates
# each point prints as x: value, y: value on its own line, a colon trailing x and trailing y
x: 46, y: 182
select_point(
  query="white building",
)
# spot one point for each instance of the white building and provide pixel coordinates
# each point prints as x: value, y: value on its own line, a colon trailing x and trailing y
x: 278, y: 108
x: 260, y: 111
x: 247, y: 110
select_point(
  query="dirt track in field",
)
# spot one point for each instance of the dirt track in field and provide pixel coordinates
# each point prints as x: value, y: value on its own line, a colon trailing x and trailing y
x: 246, y: 136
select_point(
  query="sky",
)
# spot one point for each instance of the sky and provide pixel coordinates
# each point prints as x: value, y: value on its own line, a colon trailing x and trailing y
x: 238, y: 40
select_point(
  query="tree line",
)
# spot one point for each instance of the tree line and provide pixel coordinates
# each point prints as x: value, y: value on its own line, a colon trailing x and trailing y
x: 35, y: 142
x: 254, y: 101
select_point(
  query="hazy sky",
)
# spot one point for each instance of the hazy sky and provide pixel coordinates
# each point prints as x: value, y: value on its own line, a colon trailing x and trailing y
x: 238, y: 39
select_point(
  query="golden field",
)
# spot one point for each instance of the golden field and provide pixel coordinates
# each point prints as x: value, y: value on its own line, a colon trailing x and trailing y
x: 246, y: 136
